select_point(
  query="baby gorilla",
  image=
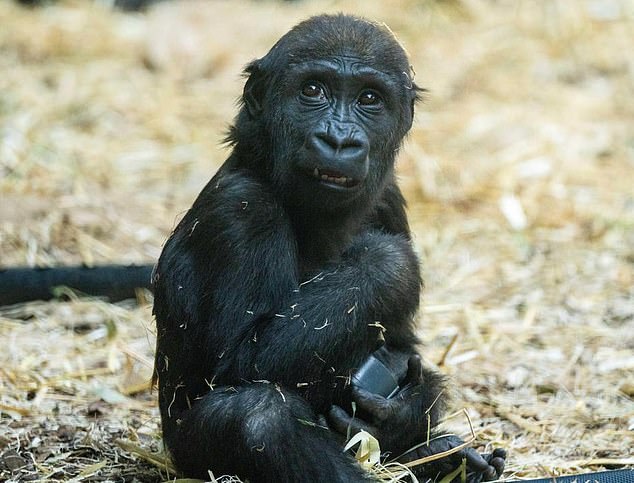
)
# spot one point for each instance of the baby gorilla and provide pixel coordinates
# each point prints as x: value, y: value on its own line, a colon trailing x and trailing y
x: 293, y: 262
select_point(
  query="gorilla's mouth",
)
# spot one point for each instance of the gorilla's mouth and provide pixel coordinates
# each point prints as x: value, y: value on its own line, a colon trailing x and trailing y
x: 334, y: 177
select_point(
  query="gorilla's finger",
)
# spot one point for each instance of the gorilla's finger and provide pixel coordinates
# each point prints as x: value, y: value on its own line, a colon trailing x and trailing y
x: 338, y: 419
x: 342, y: 422
x: 498, y: 463
x: 498, y: 453
x: 379, y: 407
x: 414, y: 370
x: 475, y: 461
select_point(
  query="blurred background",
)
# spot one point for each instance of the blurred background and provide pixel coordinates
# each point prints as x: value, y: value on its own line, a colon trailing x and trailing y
x: 519, y: 176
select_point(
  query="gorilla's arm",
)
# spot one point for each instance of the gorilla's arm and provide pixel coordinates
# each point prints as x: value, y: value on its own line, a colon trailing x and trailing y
x: 389, y: 213
x: 235, y: 255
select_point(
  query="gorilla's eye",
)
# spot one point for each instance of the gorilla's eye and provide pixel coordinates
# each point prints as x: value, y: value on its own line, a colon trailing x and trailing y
x: 369, y: 98
x: 313, y: 91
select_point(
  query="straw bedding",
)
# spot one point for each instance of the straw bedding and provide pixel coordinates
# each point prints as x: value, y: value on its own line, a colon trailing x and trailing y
x: 519, y: 175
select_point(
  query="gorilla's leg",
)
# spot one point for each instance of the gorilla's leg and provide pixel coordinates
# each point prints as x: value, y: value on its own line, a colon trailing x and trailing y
x: 259, y: 432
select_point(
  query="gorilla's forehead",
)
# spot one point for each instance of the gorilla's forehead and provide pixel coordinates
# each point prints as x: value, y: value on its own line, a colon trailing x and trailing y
x: 345, y: 66
x: 340, y: 64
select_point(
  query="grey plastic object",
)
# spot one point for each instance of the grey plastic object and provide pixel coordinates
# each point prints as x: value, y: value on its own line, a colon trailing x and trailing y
x: 375, y: 377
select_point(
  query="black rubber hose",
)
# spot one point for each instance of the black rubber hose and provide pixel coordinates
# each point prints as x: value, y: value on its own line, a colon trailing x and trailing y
x: 614, y: 476
x: 116, y: 282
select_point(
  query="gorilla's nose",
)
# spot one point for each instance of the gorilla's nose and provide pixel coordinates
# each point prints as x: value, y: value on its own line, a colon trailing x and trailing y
x: 340, y: 144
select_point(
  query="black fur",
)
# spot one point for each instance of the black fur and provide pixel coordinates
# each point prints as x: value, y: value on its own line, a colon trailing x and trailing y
x: 277, y: 285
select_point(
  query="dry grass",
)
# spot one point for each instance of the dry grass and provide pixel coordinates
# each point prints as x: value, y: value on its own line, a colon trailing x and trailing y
x: 519, y: 174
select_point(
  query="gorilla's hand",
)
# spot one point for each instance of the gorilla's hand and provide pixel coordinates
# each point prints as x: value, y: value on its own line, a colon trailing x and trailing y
x: 394, y: 421
x: 480, y: 467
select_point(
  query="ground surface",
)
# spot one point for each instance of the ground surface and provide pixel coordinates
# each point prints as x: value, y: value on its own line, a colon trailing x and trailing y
x: 519, y: 174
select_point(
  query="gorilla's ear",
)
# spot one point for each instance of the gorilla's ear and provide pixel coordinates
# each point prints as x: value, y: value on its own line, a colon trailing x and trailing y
x: 418, y: 96
x: 254, y: 88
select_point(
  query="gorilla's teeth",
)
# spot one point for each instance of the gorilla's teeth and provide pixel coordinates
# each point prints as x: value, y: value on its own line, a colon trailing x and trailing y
x: 340, y: 180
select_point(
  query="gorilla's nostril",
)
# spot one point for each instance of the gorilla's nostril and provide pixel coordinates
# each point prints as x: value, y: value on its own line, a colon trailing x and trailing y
x: 327, y: 145
x: 338, y: 141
